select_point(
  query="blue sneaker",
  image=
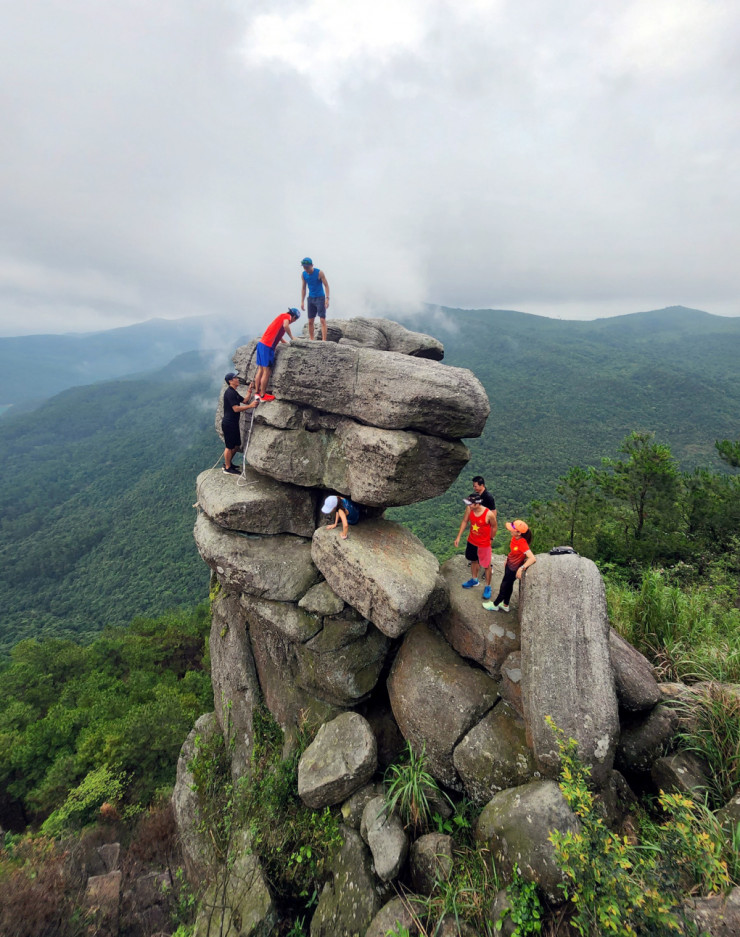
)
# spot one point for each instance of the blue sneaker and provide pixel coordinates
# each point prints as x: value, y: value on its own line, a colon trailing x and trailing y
x: 470, y: 583
x: 487, y: 593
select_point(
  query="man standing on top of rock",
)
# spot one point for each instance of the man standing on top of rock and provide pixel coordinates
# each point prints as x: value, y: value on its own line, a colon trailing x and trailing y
x: 266, y: 349
x: 483, y: 527
x: 318, y: 300
x: 488, y: 501
x: 233, y: 406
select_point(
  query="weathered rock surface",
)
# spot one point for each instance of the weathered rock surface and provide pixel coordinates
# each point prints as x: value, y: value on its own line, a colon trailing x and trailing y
x: 511, y: 682
x: 102, y: 897
x: 384, y: 389
x: 383, y: 571
x: 350, y: 901
x: 257, y: 504
x: 341, y: 759
x: 236, y: 689
x: 515, y: 826
x: 437, y: 698
x: 485, y: 637
x: 278, y: 567
x: 716, y: 916
x: 384, y: 833
x: 238, y: 903
x: 377, y: 467
x: 494, y: 755
x: 566, y: 667
x: 196, y: 848
x: 321, y: 600
x: 683, y: 773
x: 393, y: 918
x: 383, y: 334
x: 729, y: 815
x: 636, y: 687
x: 643, y: 742
x: 430, y: 861
x: 354, y: 806
x: 290, y: 620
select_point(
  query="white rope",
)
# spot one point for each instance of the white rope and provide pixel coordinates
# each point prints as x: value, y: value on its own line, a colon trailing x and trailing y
x: 244, y: 456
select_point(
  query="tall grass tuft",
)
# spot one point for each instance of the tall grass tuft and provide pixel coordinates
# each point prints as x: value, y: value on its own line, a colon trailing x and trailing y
x: 690, y: 632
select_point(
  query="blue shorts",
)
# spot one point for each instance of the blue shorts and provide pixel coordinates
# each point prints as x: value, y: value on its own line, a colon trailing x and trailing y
x: 265, y: 355
x: 317, y: 307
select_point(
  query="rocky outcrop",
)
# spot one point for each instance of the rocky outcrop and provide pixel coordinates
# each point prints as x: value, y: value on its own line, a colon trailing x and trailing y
x: 430, y: 862
x: 383, y: 832
x: 642, y: 742
x: 566, y: 667
x: 340, y: 760
x: 637, y: 689
x: 383, y: 571
x: 384, y: 335
x: 437, y: 698
x: 196, y: 848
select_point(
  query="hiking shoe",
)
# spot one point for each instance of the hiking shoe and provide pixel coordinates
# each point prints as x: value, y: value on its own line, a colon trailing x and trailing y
x: 470, y: 584
x: 266, y: 397
x: 492, y: 607
x: 487, y: 592
x: 231, y: 470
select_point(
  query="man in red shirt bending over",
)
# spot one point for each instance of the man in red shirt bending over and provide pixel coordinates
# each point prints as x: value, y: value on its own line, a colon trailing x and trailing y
x: 266, y: 350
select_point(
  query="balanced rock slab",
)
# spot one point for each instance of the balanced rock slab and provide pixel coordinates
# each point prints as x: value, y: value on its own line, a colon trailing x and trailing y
x: 383, y: 571
x: 485, y: 637
x: 437, y: 698
x: 566, y: 665
x: 385, y: 335
x: 256, y: 503
x: 277, y: 567
x: 516, y: 825
x: 340, y: 760
x: 381, y: 388
x: 636, y: 687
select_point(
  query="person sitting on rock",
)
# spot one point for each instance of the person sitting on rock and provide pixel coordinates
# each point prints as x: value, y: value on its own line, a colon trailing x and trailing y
x: 347, y: 512
x: 234, y: 404
x: 520, y: 558
x: 483, y: 527
x: 266, y: 349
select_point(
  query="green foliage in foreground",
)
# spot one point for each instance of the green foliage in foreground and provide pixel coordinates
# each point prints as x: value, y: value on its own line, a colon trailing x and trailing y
x: 618, y: 887
x: 411, y: 790
x: 80, y: 726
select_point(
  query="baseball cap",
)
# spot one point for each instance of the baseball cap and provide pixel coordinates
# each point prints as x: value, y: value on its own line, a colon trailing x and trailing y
x: 294, y: 312
x: 330, y: 504
x: 230, y: 376
x: 307, y: 262
x: 517, y: 527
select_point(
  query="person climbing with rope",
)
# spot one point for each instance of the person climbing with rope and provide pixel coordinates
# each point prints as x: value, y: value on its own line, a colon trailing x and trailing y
x: 266, y: 346
x: 234, y: 404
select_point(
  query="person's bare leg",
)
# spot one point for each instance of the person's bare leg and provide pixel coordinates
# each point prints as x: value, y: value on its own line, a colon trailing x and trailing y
x: 310, y: 329
x: 262, y: 381
x: 228, y: 456
x: 323, y: 330
x: 474, y: 569
x: 488, y: 573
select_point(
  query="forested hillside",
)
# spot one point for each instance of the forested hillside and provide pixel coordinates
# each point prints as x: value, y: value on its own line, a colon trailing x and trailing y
x: 96, y: 487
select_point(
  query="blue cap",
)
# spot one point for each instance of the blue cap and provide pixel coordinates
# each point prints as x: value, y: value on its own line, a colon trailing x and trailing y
x: 230, y: 376
x: 294, y: 312
x: 307, y: 262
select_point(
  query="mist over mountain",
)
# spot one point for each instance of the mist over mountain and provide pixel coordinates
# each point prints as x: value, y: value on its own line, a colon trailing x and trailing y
x: 97, y: 486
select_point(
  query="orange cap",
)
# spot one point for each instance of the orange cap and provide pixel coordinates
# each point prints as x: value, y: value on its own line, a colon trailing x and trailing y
x: 518, y: 527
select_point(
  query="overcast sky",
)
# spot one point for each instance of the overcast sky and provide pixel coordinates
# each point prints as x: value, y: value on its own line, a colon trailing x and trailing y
x: 573, y: 159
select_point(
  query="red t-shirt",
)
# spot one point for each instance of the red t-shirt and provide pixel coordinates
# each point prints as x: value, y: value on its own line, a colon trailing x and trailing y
x: 480, y: 532
x: 275, y: 330
x: 517, y: 552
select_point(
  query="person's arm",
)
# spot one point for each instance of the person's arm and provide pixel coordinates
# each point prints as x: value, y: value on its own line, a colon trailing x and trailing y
x: 530, y: 560
x: 494, y: 524
x: 323, y: 279
x: 466, y: 516
x: 336, y: 521
x: 303, y: 293
x: 287, y: 329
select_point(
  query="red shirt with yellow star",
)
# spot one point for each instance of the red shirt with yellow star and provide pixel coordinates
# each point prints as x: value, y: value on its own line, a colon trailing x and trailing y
x: 480, y: 531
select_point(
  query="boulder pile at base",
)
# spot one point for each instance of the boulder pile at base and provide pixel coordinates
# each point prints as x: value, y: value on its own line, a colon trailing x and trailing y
x: 371, y: 643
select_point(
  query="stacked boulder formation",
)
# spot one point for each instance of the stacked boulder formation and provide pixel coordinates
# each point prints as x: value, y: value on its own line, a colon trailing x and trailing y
x: 371, y: 642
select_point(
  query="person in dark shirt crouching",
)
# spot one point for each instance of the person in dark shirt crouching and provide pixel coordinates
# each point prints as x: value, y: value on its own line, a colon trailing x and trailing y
x: 233, y: 405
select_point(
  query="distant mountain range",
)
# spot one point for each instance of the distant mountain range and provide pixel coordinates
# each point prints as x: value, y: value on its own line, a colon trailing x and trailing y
x: 96, y: 486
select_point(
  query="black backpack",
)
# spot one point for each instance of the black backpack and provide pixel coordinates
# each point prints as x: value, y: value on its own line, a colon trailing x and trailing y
x: 560, y: 551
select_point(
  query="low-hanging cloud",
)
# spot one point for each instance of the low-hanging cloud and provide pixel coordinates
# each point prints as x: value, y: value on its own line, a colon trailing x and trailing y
x: 180, y: 159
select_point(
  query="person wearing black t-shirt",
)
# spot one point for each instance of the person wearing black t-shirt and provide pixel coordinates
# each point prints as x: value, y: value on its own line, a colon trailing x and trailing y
x: 233, y: 405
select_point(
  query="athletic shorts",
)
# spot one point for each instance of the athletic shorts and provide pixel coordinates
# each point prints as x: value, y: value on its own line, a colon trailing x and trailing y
x: 232, y: 436
x: 481, y: 555
x: 316, y: 307
x: 265, y: 355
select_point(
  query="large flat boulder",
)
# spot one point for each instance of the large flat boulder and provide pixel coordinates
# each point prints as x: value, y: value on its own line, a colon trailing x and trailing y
x: 485, y: 637
x: 236, y: 689
x: 383, y: 571
x: 566, y: 666
x: 383, y: 334
x: 277, y: 568
x: 437, y: 698
x: 340, y: 760
x: 256, y: 503
x: 381, y: 388
x: 375, y: 467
